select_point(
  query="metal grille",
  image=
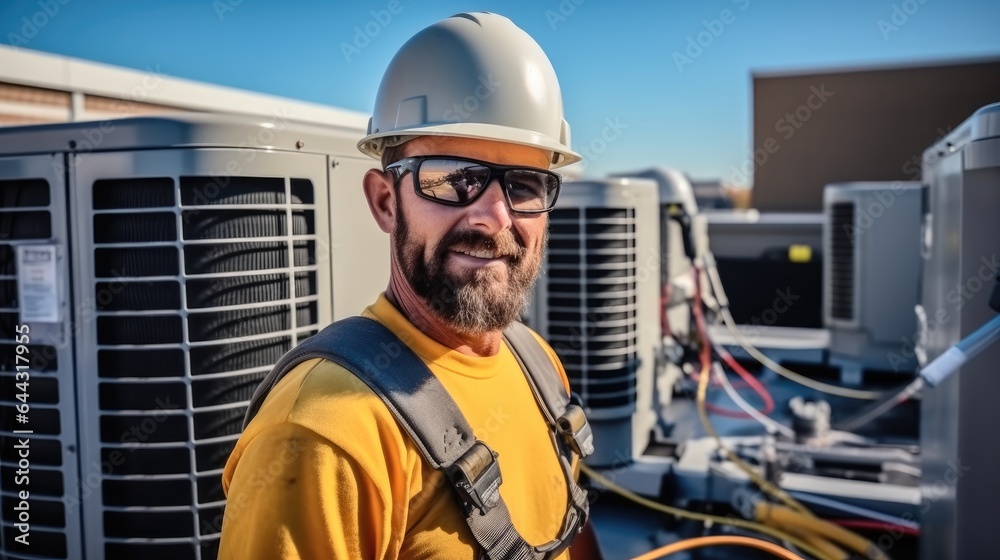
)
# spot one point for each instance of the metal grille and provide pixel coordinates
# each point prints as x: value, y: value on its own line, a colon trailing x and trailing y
x: 201, y: 284
x: 842, y: 260
x: 26, y: 218
x: 591, y: 306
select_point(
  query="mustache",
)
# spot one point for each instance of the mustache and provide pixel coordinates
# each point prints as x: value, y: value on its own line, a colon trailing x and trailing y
x: 505, y: 243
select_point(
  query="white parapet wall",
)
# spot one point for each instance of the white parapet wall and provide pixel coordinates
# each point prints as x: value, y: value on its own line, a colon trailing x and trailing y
x: 38, y: 87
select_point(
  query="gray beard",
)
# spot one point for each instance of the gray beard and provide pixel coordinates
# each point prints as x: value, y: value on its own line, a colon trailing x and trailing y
x: 486, y: 300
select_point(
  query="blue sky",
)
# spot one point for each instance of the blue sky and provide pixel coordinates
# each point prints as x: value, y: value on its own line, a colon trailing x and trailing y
x: 617, y: 61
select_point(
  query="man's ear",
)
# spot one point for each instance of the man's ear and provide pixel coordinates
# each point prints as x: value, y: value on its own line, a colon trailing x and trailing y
x: 381, y: 196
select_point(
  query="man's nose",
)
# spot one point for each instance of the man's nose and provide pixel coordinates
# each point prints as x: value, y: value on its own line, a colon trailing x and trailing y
x: 490, y: 211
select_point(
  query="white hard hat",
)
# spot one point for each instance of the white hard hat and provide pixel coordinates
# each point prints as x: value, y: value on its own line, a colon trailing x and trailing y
x: 473, y: 75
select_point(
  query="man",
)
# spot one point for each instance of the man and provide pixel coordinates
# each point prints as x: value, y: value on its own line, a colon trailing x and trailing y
x: 468, y: 122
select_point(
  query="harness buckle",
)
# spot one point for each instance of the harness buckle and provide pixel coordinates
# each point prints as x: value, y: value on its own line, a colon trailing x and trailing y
x: 476, y: 477
x: 575, y: 430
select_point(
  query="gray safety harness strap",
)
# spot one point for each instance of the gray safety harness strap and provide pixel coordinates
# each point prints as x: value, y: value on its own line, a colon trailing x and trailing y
x: 444, y: 438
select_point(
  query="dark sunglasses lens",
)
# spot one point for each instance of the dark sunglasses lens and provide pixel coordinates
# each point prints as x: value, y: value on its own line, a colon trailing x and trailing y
x: 451, y: 180
x: 531, y: 191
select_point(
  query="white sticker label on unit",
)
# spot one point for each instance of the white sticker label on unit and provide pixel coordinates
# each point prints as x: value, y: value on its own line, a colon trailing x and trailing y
x: 37, y: 287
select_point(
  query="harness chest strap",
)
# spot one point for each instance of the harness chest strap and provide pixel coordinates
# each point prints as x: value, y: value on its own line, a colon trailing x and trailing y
x: 469, y: 464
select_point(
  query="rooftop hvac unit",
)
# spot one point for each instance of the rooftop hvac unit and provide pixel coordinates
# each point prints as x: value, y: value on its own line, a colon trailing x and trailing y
x: 768, y: 257
x: 161, y: 266
x: 961, y: 250
x: 673, y: 189
x: 871, y: 275
x: 597, y: 305
x: 676, y: 287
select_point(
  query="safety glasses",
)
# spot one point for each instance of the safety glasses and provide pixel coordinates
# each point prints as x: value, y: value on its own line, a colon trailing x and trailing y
x: 459, y: 181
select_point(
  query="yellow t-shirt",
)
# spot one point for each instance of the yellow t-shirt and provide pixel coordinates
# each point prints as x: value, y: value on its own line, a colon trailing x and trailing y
x: 324, y: 471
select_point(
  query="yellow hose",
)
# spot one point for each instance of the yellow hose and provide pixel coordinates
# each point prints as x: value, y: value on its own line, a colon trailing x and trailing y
x: 704, y: 517
x: 703, y: 378
x: 820, y: 543
x: 757, y: 479
x: 769, y: 513
x: 849, y: 539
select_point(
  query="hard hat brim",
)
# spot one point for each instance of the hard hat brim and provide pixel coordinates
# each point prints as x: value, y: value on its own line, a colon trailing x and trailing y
x: 374, y: 144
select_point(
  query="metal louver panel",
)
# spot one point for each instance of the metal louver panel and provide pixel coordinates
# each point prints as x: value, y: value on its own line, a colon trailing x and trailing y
x: 873, y: 256
x: 597, y: 304
x: 201, y: 282
x: 842, y: 260
x: 32, y: 215
x: 591, y: 301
